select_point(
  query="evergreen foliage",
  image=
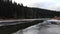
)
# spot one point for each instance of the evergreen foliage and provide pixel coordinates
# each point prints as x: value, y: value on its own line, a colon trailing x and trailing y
x: 14, y: 10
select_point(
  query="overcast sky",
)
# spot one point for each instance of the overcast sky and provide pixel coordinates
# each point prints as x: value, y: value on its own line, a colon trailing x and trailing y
x: 46, y: 4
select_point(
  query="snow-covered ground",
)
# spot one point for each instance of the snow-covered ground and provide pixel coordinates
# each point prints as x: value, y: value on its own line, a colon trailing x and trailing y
x: 35, y: 29
x: 38, y: 29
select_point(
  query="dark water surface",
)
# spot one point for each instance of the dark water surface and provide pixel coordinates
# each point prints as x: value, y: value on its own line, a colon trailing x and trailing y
x: 13, y: 27
x: 28, y: 28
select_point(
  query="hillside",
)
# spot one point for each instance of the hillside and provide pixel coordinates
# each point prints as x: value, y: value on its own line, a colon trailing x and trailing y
x: 18, y: 11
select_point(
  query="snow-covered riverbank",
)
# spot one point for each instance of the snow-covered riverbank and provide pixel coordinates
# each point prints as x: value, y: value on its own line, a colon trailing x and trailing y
x: 37, y: 29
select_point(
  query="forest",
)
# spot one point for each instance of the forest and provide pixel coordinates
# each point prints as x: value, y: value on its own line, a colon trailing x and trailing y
x: 19, y: 11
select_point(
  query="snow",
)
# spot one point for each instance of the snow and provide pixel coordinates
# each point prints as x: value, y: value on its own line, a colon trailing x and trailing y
x: 38, y: 29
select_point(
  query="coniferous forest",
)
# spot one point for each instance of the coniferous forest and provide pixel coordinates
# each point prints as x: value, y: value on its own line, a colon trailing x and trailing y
x: 18, y: 11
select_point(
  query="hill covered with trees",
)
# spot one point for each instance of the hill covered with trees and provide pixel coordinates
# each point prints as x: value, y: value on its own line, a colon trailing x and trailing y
x: 18, y: 11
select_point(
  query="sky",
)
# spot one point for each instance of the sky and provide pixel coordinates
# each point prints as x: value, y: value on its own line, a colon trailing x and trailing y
x: 45, y: 4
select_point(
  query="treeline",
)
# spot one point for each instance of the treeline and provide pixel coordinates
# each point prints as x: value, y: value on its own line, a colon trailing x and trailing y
x: 44, y: 13
x: 14, y: 10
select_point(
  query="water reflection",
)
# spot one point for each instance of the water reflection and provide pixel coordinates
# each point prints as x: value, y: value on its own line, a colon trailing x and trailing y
x: 35, y: 27
x: 13, y: 27
x: 46, y: 28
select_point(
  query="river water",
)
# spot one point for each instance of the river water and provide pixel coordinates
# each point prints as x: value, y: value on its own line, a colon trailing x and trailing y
x: 34, y: 29
x: 38, y: 29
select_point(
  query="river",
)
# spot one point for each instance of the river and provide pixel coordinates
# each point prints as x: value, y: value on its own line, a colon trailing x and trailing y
x: 37, y: 29
x: 16, y: 28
